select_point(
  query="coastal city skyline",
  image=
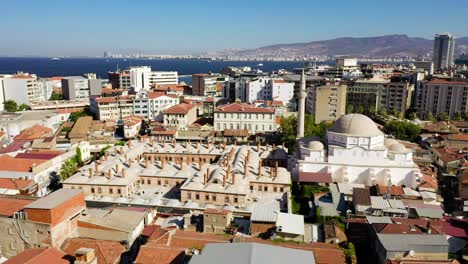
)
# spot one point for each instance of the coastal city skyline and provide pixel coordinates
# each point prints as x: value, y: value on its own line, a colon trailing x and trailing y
x: 154, y: 27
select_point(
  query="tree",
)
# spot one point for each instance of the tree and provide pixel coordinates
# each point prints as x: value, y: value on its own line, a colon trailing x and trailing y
x: 55, y: 96
x: 360, y: 109
x: 23, y: 107
x: 382, y: 111
x: 402, y: 130
x: 78, y: 157
x: 430, y: 117
x: 349, y: 109
x: 412, y: 116
x: 10, y: 106
x: 443, y: 117
x: 74, y: 116
x: 68, y: 168
x: 458, y: 117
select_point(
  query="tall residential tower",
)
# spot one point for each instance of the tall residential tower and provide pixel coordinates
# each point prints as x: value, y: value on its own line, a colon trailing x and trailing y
x: 444, y: 45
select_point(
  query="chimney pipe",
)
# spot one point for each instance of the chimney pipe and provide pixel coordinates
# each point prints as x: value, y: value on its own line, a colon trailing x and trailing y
x: 146, y: 163
x: 200, y: 164
x: 229, y: 170
x: 224, y: 144
x: 106, y: 154
x: 121, y: 150
x: 224, y: 180
x: 109, y: 173
x: 259, y: 167
x: 117, y: 168
x: 283, y: 145
x: 276, y: 168
x: 233, y: 179
x: 91, y: 172
x: 186, y: 144
x: 130, y: 143
x: 235, y: 142
x: 258, y: 147
x: 123, y: 172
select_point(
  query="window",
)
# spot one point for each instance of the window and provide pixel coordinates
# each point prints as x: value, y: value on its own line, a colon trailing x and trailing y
x: 214, y: 198
x: 207, y: 197
x: 92, y: 190
x: 281, y: 189
x: 235, y: 200
x: 189, y: 195
x: 265, y: 188
x: 197, y: 196
x: 119, y: 191
x: 111, y: 191
x: 159, y: 182
x: 166, y: 182
x: 275, y: 189
x: 226, y: 199
x: 148, y: 181
x: 251, y: 187
x: 260, y: 188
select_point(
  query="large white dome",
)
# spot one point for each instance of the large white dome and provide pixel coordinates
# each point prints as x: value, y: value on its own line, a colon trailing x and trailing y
x: 355, y: 124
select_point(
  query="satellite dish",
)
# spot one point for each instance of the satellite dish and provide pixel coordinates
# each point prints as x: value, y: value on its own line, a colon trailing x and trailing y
x: 411, y: 253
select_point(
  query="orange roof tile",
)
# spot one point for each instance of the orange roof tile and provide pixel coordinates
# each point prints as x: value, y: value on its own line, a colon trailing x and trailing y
x: 154, y: 95
x: 150, y: 253
x: 107, y: 252
x: 40, y: 256
x: 8, y: 163
x: 243, y: 108
x: 15, y: 184
x: 183, y: 108
x: 34, y: 132
x: 9, y: 206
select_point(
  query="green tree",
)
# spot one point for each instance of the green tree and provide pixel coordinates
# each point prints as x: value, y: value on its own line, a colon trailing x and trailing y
x: 68, y: 168
x: 412, y: 116
x: 23, y: 107
x: 383, y: 112
x: 360, y: 109
x: 78, y: 157
x: 402, y: 130
x: 10, y: 106
x: 458, y: 117
x: 74, y: 116
x: 55, y: 96
x: 443, y: 117
x: 430, y: 117
x: 349, y: 109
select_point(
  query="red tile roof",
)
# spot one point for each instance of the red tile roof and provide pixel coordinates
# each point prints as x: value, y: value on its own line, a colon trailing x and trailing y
x: 361, y: 196
x: 9, y: 206
x: 40, y: 256
x: 183, y: 108
x: 40, y: 155
x: 169, y: 87
x: 8, y: 163
x: 15, y: 184
x: 459, y: 137
x: 441, y: 81
x: 154, y: 95
x: 321, y: 177
x: 34, y: 132
x: 151, y: 253
x: 243, y: 108
x: 15, y: 146
x: 392, y: 190
x: 107, y: 252
x: 216, y: 211
x: 280, y: 81
x: 132, y: 120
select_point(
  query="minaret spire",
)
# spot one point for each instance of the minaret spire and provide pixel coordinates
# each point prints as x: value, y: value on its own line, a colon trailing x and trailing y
x: 301, y: 110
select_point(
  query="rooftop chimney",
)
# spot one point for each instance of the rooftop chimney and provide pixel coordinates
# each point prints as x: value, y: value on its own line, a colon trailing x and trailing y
x: 123, y: 173
x: 224, y: 179
x: 130, y: 143
x: 276, y: 168
x: 233, y: 179
x: 117, y: 168
x: 259, y: 167
x: 91, y: 172
x: 258, y: 147
x: 85, y: 256
x: 163, y: 164
x: 109, y: 173
x: 106, y: 154
x: 146, y: 163
x: 229, y: 170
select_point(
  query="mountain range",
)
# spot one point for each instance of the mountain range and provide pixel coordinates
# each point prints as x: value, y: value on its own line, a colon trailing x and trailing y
x: 381, y: 46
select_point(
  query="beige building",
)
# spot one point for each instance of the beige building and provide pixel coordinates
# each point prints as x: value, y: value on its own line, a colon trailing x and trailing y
x: 180, y: 116
x: 441, y: 96
x: 327, y: 102
x: 114, y: 108
x: 245, y: 116
x: 216, y: 221
x: 378, y: 94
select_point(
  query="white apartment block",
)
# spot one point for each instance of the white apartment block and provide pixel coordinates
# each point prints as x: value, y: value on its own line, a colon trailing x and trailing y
x: 245, y: 116
x: 22, y: 88
x: 264, y: 88
x: 155, y: 78
x: 114, y: 108
x: 151, y: 105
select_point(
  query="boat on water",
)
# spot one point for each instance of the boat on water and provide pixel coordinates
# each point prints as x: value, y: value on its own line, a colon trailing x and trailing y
x: 55, y: 58
x: 260, y: 64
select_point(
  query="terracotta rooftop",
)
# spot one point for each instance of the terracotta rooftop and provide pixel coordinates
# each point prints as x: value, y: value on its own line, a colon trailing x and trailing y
x: 361, y: 196
x: 216, y: 211
x: 132, y: 120
x: 458, y: 137
x: 183, y: 108
x: 15, y: 184
x: 9, y: 206
x: 34, y: 132
x: 40, y: 256
x: 392, y: 190
x: 447, y: 154
x: 170, y: 87
x: 441, y: 81
x: 150, y: 253
x: 243, y: 108
x: 8, y: 163
x: 40, y: 155
x: 154, y: 95
x: 107, y: 252
x: 322, y: 177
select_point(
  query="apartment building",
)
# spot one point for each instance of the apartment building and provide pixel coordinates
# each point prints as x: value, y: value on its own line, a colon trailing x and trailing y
x: 180, y: 116
x: 327, y: 102
x: 380, y: 94
x: 245, y: 116
x: 22, y: 88
x: 80, y: 88
x: 151, y: 105
x: 207, y: 84
x: 113, y: 108
x: 249, y: 90
x: 155, y: 78
x: 441, y: 96
x: 141, y: 77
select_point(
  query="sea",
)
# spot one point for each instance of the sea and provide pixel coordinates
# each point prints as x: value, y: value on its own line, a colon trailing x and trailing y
x: 46, y: 67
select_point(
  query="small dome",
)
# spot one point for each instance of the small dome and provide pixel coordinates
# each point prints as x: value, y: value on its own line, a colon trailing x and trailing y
x: 390, y: 141
x: 397, y: 147
x: 355, y: 124
x: 315, y: 145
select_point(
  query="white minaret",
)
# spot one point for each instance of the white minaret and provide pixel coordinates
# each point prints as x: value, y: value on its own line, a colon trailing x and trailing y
x: 301, y: 110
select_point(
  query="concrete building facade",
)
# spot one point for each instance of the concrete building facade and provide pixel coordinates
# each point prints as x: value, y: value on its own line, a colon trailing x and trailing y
x: 327, y: 102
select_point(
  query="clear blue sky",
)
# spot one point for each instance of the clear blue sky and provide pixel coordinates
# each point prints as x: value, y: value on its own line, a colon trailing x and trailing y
x: 89, y: 27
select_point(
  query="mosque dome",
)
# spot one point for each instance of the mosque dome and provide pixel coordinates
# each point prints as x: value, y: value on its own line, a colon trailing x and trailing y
x: 315, y: 145
x: 397, y: 147
x: 390, y: 141
x: 356, y: 124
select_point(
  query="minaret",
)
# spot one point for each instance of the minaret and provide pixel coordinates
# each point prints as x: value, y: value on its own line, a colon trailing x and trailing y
x: 301, y: 110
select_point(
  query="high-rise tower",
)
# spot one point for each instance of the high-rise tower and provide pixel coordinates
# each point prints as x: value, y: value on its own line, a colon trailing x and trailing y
x: 301, y: 110
x: 444, y: 45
